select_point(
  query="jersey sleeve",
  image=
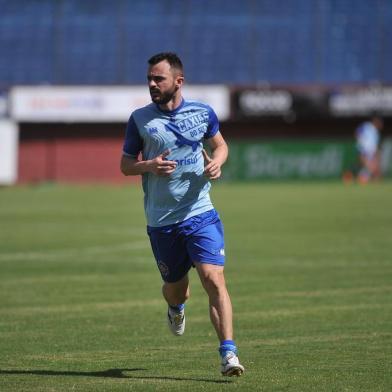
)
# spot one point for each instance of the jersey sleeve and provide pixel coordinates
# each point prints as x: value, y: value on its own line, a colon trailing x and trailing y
x: 213, y: 124
x: 133, y: 143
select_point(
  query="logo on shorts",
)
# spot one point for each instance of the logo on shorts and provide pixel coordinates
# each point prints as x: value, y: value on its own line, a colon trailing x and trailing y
x: 220, y: 252
x: 163, y: 268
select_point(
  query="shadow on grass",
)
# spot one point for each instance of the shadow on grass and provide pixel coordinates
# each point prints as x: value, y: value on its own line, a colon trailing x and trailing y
x: 110, y: 373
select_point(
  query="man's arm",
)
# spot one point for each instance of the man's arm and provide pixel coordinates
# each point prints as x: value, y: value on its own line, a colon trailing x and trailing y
x: 133, y: 145
x: 158, y: 166
x: 219, y: 153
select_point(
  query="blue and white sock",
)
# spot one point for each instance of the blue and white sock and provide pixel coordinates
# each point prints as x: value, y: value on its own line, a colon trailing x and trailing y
x: 226, y: 346
x: 177, y: 308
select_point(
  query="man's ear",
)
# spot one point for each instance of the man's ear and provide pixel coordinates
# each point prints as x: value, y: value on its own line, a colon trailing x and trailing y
x: 179, y: 81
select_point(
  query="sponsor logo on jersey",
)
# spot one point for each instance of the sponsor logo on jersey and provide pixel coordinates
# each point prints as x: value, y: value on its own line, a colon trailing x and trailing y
x: 186, y: 161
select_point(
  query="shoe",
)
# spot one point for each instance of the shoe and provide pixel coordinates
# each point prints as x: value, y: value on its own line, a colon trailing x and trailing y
x: 176, y: 321
x: 231, y: 365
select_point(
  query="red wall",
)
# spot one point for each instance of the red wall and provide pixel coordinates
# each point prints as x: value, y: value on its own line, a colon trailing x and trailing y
x: 70, y: 155
x: 71, y: 160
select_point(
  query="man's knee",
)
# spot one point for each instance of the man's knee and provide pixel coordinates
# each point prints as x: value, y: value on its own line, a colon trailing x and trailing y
x: 212, y: 277
x: 176, y: 293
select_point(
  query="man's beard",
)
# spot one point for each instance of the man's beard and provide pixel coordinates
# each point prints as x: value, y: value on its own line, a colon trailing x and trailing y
x: 163, y: 98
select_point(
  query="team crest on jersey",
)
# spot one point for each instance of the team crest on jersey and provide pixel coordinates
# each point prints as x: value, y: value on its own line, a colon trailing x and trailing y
x: 181, y: 140
x: 163, y: 268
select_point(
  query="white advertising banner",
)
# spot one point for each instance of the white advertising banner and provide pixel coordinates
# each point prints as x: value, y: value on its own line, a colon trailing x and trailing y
x: 3, y: 105
x: 99, y: 104
x: 217, y: 96
x: 8, y: 152
x: 361, y: 101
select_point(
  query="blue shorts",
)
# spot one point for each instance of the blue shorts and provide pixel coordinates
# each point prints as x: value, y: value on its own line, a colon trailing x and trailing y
x: 176, y: 247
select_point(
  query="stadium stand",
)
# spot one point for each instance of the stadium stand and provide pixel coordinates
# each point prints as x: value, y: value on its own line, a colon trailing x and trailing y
x: 235, y: 42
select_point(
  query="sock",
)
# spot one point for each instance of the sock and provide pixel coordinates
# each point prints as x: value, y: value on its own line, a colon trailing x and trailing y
x: 177, y: 308
x: 227, y: 345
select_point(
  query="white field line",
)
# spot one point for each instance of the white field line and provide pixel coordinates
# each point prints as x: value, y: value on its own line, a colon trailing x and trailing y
x: 71, y: 278
x: 332, y: 292
x: 319, y: 339
x: 71, y: 309
x: 108, y: 356
x: 53, y: 254
x: 306, y: 311
x: 102, y: 229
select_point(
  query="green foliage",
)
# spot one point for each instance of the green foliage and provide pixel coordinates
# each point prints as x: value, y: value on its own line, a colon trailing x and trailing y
x: 309, y: 269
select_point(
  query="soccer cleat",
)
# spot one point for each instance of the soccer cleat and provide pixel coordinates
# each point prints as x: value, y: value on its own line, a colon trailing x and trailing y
x: 176, y: 321
x: 231, y: 365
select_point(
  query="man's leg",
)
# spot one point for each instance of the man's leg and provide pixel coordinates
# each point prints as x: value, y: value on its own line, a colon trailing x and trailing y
x: 213, y: 281
x: 221, y: 315
x: 173, y: 264
x: 175, y: 295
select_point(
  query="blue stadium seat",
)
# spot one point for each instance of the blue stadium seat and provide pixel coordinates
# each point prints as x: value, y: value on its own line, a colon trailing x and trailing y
x: 220, y: 41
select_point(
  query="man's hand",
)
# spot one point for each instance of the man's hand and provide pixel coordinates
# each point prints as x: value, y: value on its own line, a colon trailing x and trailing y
x: 158, y: 166
x: 161, y: 166
x: 212, y: 169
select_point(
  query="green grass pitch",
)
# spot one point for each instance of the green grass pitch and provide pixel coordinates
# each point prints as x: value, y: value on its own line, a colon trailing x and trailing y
x: 309, y: 269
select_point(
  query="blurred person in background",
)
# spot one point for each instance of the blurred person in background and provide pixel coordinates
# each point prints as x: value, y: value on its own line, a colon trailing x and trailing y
x: 164, y: 144
x: 367, y: 137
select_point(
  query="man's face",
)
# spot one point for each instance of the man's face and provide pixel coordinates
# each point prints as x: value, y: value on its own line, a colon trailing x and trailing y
x: 163, y: 82
x: 378, y: 123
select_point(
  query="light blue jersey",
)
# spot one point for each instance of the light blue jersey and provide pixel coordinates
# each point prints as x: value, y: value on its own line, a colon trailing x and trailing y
x: 151, y: 131
x: 368, y: 138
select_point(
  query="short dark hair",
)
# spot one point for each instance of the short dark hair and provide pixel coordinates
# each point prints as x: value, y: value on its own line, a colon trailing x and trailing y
x: 170, y: 57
